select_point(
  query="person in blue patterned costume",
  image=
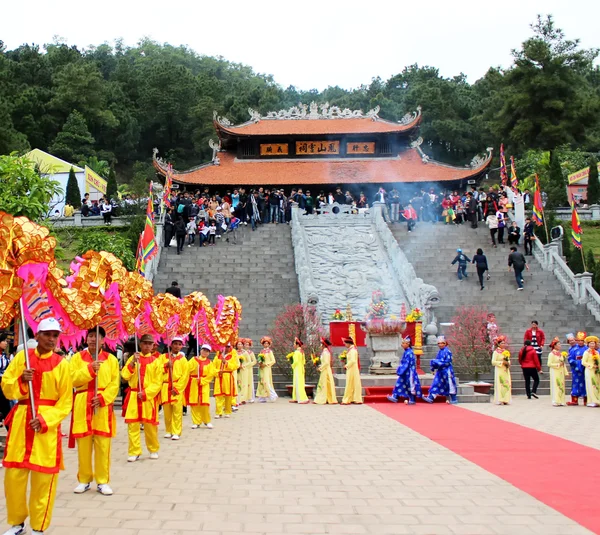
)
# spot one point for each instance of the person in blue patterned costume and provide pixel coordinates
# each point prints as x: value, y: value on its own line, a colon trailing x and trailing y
x: 577, y: 371
x: 444, y: 382
x: 408, y: 384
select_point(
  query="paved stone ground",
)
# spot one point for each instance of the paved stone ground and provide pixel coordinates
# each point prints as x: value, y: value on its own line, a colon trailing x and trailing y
x: 284, y: 469
x: 578, y: 424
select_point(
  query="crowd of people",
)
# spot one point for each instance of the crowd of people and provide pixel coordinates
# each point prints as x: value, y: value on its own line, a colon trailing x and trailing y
x: 86, y: 384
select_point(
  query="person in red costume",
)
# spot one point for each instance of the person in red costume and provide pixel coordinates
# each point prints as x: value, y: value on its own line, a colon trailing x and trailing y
x: 537, y: 338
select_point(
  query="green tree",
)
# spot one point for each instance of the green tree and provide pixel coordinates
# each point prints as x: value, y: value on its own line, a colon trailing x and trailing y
x: 23, y: 191
x: 567, y: 248
x: 112, y: 187
x: 576, y: 261
x: 74, y: 142
x: 590, y: 262
x: 114, y: 243
x: 73, y: 196
x: 593, y: 189
x: 557, y: 184
x: 548, y: 100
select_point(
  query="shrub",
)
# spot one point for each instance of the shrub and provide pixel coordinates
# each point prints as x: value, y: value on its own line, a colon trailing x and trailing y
x: 300, y: 321
x: 116, y: 244
x: 468, y: 339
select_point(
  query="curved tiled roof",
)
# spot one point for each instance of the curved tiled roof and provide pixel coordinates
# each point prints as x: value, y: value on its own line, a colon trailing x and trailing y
x: 313, y: 127
x: 407, y: 167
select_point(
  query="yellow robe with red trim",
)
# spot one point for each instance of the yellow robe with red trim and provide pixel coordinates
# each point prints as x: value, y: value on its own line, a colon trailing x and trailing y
x: 53, y: 391
x: 177, y: 380
x: 198, y: 390
x: 85, y: 421
x: 143, y: 410
x: 224, y: 380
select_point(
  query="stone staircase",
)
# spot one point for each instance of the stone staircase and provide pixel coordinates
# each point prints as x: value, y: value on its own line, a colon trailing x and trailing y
x: 432, y: 247
x: 258, y: 269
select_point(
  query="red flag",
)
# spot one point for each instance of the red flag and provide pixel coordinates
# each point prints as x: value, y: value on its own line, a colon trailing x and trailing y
x: 503, y: 174
x: 538, y: 207
x: 148, y: 248
x: 576, y: 231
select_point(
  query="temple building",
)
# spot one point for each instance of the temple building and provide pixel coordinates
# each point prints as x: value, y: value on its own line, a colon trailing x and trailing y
x: 322, y: 145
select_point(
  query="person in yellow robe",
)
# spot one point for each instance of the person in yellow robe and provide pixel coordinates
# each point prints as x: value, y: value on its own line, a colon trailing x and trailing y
x: 353, y: 390
x: 250, y: 363
x: 326, y: 387
x: 141, y: 404
x: 298, y: 364
x: 591, y: 361
x: 242, y: 376
x: 502, y: 379
x: 202, y: 372
x: 93, y: 422
x: 225, y: 388
x: 265, y: 389
x: 558, y: 372
x: 34, y: 445
x: 175, y: 380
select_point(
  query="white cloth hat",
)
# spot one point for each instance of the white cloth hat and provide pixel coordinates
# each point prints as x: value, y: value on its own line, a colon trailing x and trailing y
x: 207, y: 347
x: 49, y: 324
x: 441, y: 339
x: 177, y: 339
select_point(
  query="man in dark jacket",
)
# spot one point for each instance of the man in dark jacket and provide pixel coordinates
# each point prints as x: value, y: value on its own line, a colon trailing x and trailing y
x: 518, y: 262
x: 174, y: 289
x: 528, y: 237
x: 530, y: 365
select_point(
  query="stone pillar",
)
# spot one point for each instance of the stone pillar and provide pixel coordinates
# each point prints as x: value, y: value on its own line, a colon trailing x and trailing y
x: 160, y: 237
x: 385, y: 349
x: 77, y: 221
x: 595, y: 209
x: 295, y: 211
x: 582, y: 280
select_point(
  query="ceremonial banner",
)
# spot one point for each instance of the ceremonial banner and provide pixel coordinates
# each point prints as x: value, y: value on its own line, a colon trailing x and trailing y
x: 578, y: 176
x: 148, y: 248
x: 338, y: 330
x: 95, y: 181
x: 317, y: 147
x: 576, y: 231
x: 503, y: 174
x: 538, y: 208
x: 274, y: 149
x: 360, y: 147
x: 513, y: 174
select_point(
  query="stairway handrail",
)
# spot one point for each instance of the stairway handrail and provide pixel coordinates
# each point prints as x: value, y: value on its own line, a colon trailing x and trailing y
x: 419, y: 294
x: 306, y: 286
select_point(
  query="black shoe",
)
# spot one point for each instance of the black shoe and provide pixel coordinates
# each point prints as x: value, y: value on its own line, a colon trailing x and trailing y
x: 534, y: 395
x: 482, y: 287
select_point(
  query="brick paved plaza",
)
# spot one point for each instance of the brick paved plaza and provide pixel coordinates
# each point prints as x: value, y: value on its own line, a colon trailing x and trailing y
x: 283, y: 468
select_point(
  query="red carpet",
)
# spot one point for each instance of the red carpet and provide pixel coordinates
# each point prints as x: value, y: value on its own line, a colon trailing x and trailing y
x: 557, y: 472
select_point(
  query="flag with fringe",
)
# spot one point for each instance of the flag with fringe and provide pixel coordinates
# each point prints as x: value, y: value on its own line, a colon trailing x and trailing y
x: 168, y: 186
x: 514, y: 182
x: 576, y: 231
x: 503, y: 174
x: 538, y: 207
x: 147, y: 247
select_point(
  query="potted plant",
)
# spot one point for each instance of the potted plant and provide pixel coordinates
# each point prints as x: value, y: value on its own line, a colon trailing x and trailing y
x: 469, y: 341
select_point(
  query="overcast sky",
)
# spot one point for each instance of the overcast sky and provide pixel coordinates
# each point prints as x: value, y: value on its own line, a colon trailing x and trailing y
x: 311, y: 44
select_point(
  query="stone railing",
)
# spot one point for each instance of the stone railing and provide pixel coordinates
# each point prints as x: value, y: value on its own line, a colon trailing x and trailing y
x: 79, y: 221
x: 419, y: 294
x: 579, y: 287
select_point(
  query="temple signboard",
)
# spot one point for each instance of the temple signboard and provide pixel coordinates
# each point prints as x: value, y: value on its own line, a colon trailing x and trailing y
x: 317, y: 147
x: 360, y: 147
x: 274, y: 149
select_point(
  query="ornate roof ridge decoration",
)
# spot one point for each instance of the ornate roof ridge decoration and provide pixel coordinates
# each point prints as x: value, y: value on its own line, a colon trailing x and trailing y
x: 479, y: 161
x: 159, y: 163
x: 410, y: 117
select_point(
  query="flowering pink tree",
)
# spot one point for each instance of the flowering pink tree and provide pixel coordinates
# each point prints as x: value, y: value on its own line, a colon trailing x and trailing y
x: 469, y: 341
x: 300, y: 321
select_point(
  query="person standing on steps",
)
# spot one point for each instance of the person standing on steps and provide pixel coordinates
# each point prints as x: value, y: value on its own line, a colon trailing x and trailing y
x: 481, y: 264
x: 462, y: 260
x: 410, y: 215
x: 530, y: 364
x: 537, y: 338
x: 492, y: 222
x: 517, y: 261
x: 577, y: 370
x: 528, y: 237
x: 501, y: 217
x: 174, y: 290
x: 180, y: 232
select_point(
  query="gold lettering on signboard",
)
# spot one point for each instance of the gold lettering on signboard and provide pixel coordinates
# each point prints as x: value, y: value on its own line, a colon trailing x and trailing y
x: 274, y: 149
x: 360, y: 147
x: 317, y: 148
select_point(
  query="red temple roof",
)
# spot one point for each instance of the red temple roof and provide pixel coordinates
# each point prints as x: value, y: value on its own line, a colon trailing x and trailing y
x: 409, y: 166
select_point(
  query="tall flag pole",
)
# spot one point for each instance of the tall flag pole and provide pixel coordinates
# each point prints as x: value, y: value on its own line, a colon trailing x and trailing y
x: 168, y: 186
x: 514, y: 182
x: 503, y: 174
x: 140, y: 265
x: 576, y: 232
x: 538, y: 207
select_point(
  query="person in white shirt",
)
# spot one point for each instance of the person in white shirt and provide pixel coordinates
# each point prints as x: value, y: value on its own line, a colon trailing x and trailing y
x: 191, y: 229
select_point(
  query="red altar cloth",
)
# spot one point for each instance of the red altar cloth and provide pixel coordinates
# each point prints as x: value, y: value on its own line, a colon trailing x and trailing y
x: 414, y: 330
x: 341, y: 329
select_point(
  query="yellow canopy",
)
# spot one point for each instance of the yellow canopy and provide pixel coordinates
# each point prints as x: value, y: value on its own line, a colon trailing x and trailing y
x: 49, y: 164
